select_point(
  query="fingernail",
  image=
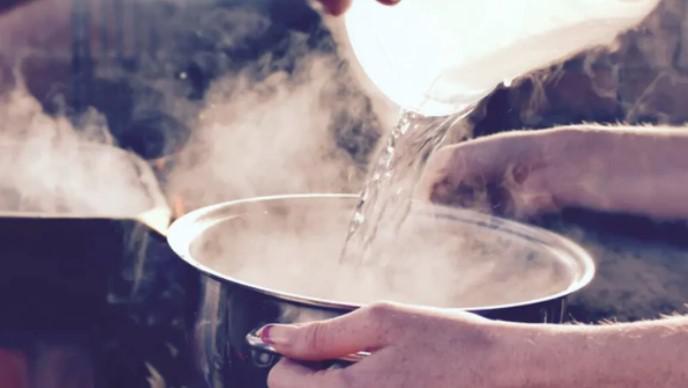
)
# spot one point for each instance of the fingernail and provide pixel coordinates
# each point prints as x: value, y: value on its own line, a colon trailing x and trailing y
x: 276, y: 334
x: 264, y: 334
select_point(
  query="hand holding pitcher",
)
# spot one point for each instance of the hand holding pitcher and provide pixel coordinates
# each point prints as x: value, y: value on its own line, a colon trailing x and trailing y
x: 338, y: 7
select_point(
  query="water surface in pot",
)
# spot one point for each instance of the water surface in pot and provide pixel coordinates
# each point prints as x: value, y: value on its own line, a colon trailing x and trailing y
x: 441, y: 257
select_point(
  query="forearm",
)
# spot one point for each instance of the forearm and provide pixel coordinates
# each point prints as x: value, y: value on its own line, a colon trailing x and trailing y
x: 622, y: 169
x: 649, y: 354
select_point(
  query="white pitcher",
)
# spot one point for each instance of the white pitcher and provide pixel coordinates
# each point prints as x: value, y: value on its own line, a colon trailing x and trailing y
x: 438, y: 57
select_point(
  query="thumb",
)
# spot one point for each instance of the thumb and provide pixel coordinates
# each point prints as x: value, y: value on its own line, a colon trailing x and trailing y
x: 365, y: 329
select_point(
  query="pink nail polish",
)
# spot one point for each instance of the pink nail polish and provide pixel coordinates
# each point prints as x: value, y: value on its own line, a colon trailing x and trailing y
x: 264, y: 334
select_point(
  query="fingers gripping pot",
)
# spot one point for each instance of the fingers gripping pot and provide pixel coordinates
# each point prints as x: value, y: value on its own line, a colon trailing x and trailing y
x: 276, y: 260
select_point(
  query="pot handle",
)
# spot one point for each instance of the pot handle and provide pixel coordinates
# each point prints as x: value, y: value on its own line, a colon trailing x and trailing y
x: 257, y: 343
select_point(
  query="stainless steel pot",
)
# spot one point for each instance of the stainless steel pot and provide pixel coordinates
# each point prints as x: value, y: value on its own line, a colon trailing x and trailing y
x: 233, y: 308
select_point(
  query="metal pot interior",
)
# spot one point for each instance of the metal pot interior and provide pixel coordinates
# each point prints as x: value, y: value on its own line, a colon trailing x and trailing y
x: 289, y: 247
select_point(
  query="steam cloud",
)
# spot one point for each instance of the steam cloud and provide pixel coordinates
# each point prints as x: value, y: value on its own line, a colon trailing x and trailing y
x: 269, y: 137
x: 293, y: 246
x: 290, y: 122
x: 50, y: 167
x: 288, y: 119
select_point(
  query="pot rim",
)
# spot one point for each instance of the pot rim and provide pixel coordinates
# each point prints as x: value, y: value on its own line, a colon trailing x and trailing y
x: 184, y: 231
x: 156, y: 214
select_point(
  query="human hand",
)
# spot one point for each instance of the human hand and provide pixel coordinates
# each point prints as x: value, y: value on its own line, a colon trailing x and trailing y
x: 411, y: 347
x: 514, y: 174
x: 634, y: 170
x: 338, y: 7
x: 431, y: 348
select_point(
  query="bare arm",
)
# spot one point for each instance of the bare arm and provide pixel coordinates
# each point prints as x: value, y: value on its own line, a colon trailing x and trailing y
x: 415, y: 347
x: 646, y: 354
x: 626, y: 169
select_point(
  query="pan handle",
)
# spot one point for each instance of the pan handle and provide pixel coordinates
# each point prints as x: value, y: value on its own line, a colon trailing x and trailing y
x: 257, y: 343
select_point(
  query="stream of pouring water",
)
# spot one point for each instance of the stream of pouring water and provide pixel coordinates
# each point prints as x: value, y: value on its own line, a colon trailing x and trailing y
x: 387, y: 196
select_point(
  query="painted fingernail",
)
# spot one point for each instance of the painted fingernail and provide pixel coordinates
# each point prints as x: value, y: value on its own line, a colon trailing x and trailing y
x: 276, y: 334
x: 264, y: 334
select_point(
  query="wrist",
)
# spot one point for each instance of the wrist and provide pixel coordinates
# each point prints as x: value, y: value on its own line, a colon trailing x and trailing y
x: 521, y: 354
x: 536, y: 355
x: 646, y: 354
